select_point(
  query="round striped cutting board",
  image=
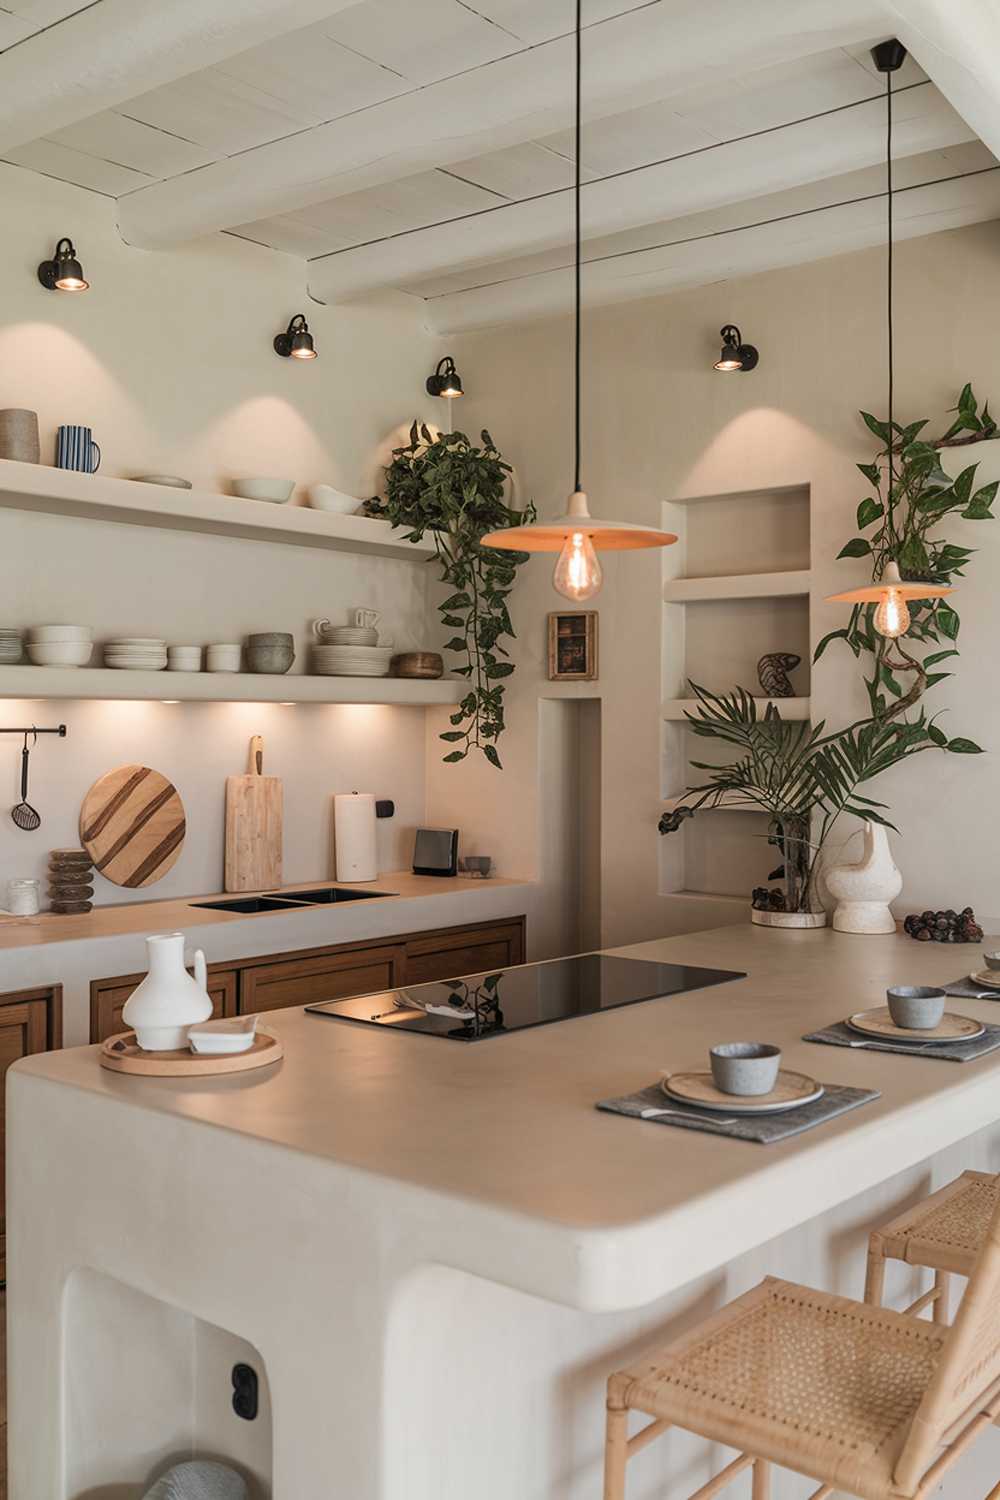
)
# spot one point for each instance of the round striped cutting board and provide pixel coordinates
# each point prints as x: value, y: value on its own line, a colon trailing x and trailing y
x: 132, y: 825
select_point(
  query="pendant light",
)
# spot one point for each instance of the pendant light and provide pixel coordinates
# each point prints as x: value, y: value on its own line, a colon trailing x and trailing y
x: 577, y: 535
x: 890, y: 593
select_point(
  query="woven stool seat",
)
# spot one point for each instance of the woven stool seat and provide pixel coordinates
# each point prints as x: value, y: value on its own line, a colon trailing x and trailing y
x: 819, y: 1383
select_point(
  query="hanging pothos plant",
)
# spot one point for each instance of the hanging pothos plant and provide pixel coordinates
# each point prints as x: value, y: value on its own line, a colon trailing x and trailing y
x: 453, y: 489
x: 901, y: 523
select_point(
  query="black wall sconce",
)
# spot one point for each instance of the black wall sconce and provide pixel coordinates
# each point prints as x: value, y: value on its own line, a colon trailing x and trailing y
x: 63, y: 273
x: 446, y: 381
x: 736, y: 355
x: 296, y: 342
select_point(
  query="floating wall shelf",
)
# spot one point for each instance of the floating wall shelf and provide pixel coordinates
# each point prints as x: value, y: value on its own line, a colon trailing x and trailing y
x: 789, y: 708
x: 223, y: 687
x: 129, y: 502
x: 788, y: 585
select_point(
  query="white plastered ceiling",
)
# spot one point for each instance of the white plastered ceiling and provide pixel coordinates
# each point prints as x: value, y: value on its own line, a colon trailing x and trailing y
x: 426, y: 145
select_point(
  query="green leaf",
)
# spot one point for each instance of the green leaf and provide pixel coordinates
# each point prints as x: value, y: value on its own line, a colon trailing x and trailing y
x: 457, y: 601
x: 935, y: 657
x: 947, y: 621
x: 880, y: 429
x: 491, y: 755
x: 455, y: 755
x: 966, y: 400
x: 964, y: 747
x: 499, y: 669
x: 889, y: 681
x: 963, y: 484
x: 871, y: 472
x: 452, y: 736
x: 868, y: 511
x: 857, y: 547
x: 834, y: 635
x: 937, y: 735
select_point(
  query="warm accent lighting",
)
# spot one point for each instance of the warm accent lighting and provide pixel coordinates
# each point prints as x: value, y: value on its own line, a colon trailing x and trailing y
x: 296, y: 342
x: 735, y: 355
x: 446, y: 381
x: 63, y: 273
x: 891, y: 595
x: 577, y: 535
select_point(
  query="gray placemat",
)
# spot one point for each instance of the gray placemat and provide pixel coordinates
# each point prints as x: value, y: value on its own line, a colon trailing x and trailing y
x: 841, y: 1035
x: 761, y: 1128
x: 964, y: 989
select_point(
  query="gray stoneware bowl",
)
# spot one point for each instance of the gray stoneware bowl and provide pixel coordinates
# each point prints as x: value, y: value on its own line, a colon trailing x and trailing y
x: 271, y: 651
x: 992, y: 960
x: 917, y: 1007
x: 745, y: 1067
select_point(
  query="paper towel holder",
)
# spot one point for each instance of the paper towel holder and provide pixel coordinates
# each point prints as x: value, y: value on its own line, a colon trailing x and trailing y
x: 435, y: 851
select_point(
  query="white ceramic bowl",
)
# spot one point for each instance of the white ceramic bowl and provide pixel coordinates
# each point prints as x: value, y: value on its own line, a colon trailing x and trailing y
x: 40, y: 633
x: 277, y: 491
x: 60, y: 653
x: 170, y: 481
x: 325, y: 497
x: 223, y: 1034
x: 223, y: 658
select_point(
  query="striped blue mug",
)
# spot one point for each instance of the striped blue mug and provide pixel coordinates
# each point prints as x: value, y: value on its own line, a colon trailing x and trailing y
x: 76, y: 449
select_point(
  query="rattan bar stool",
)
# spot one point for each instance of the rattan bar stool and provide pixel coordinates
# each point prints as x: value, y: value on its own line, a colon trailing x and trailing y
x: 943, y: 1234
x: 868, y: 1401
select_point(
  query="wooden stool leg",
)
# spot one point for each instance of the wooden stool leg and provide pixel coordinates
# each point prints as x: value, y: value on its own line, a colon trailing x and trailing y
x: 615, y: 1453
x: 942, y: 1283
x: 761, y: 1480
x: 875, y: 1273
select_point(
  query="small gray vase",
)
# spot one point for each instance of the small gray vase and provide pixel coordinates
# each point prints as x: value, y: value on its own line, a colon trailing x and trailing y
x: 19, y: 435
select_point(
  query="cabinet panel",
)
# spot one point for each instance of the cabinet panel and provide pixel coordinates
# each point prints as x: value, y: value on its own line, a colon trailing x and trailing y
x: 30, y: 1021
x: 108, y: 997
x: 447, y: 955
x: 326, y: 976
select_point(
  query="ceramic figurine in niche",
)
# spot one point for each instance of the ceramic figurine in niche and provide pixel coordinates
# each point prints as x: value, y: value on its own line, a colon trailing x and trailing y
x: 168, y: 1000
x: 863, y: 890
x: 772, y: 673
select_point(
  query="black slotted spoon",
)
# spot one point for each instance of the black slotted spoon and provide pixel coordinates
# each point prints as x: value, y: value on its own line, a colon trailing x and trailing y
x: 24, y: 815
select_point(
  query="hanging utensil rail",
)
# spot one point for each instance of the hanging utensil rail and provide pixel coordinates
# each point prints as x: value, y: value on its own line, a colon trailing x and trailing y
x: 60, y: 730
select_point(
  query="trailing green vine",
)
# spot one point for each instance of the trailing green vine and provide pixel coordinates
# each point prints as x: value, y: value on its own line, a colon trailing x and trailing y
x: 448, y: 486
x: 912, y: 499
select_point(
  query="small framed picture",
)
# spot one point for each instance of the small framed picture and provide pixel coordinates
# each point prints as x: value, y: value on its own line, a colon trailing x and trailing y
x: 573, y: 646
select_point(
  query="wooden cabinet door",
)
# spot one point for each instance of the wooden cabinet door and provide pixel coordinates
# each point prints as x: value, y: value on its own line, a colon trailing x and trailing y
x: 30, y: 1021
x: 464, y: 950
x: 108, y: 996
x: 310, y: 978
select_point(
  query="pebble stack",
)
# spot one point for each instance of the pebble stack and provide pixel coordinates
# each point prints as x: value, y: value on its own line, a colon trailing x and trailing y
x: 71, y: 881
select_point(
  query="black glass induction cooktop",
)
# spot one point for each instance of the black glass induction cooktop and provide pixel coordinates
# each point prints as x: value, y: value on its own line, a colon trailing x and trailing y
x: 490, y: 1004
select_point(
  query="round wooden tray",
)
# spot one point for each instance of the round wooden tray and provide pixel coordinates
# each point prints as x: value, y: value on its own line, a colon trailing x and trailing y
x: 879, y: 1022
x: 122, y: 1054
x: 791, y: 1091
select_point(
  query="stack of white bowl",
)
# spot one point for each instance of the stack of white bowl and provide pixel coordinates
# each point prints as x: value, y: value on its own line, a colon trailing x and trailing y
x: 60, y: 645
x: 184, y: 658
x: 224, y: 656
x: 136, y: 653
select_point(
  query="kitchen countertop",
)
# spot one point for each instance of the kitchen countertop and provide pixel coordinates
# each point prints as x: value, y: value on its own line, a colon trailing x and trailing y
x: 669, y: 1204
x: 137, y: 917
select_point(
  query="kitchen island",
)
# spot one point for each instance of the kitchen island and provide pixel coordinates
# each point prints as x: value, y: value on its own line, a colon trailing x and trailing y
x: 434, y: 1253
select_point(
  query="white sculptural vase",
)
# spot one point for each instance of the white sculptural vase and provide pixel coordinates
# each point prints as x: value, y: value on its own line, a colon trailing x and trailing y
x: 168, y: 1000
x: 863, y: 890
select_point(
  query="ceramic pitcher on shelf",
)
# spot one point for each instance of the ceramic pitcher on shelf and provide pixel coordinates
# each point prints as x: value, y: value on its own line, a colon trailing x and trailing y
x: 168, y: 1000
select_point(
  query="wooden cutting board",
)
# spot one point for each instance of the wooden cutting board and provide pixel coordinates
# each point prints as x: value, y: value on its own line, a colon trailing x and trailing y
x: 253, y: 826
x: 132, y: 825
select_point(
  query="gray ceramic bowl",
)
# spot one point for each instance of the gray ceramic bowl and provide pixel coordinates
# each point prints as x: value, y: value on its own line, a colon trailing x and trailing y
x: 992, y: 960
x: 917, y: 1007
x: 270, y: 651
x: 745, y: 1067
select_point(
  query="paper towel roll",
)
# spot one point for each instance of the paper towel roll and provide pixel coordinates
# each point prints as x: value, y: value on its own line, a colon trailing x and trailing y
x: 354, y: 836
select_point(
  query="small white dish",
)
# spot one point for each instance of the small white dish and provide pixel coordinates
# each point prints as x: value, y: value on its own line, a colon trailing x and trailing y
x: 277, y: 491
x: 223, y: 1034
x: 325, y: 497
x: 169, y: 481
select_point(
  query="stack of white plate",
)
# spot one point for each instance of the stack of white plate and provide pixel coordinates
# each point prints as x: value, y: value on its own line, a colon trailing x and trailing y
x: 136, y: 653
x: 352, y: 661
x: 10, y: 646
x: 349, y: 635
x: 60, y: 645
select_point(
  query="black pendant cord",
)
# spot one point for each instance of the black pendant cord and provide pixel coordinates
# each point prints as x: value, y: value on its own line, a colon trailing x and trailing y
x: 577, y: 252
x: 888, y: 171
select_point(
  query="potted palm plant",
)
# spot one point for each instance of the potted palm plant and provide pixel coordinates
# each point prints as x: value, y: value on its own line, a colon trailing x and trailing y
x: 799, y: 775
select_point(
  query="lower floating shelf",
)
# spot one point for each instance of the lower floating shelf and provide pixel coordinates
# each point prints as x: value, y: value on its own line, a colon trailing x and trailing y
x: 789, y: 708
x: 223, y: 687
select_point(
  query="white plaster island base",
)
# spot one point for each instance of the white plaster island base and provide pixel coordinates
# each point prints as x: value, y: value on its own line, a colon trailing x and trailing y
x: 434, y: 1253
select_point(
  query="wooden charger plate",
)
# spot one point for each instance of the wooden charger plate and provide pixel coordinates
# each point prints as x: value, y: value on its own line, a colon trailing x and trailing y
x: 122, y: 1054
x: 791, y: 1091
x: 879, y: 1023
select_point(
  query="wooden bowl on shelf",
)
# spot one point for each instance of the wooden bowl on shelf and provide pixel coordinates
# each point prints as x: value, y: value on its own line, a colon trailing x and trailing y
x: 423, y: 664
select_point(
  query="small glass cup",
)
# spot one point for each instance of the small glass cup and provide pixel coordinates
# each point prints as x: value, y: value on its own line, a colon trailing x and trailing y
x: 22, y: 897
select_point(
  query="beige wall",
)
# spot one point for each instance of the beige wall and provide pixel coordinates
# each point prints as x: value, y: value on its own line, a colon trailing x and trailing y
x: 169, y: 359
x: 659, y: 425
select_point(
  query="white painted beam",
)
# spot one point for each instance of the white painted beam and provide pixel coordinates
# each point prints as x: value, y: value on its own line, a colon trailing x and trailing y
x: 739, y: 170
x: 633, y: 58
x: 695, y: 251
x: 108, y: 53
x: 957, y: 43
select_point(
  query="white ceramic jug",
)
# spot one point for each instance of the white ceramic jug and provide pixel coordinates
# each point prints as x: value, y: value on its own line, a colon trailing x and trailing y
x: 168, y: 1000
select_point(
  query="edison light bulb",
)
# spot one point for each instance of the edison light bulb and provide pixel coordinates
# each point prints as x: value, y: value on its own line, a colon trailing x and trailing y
x: 892, y: 618
x: 578, y: 572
